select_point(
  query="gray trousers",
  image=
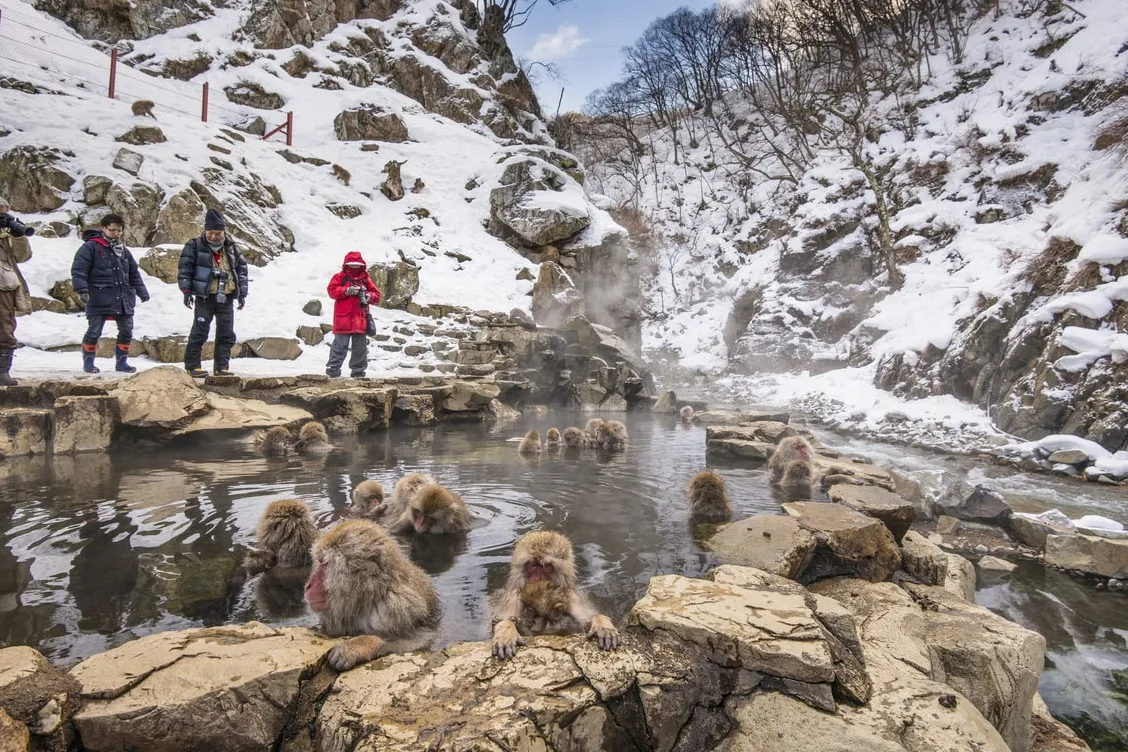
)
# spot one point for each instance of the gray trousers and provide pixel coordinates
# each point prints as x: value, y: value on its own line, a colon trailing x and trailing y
x: 358, y: 362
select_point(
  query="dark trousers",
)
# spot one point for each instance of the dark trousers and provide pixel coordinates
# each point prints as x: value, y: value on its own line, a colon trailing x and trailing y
x: 224, y: 315
x: 8, y: 319
x: 98, y: 321
x: 358, y: 362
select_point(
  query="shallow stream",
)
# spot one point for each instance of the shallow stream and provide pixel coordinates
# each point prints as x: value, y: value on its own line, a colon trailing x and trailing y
x: 95, y: 550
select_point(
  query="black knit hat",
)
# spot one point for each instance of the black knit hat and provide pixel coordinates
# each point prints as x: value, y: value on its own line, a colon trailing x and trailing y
x: 214, y: 221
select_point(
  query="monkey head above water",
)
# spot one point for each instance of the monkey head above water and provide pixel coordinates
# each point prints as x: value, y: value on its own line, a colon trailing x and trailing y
x: 367, y: 499
x: 312, y: 439
x: 687, y: 414
x: 708, y: 501
x: 591, y: 427
x: 434, y: 510
x: 531, y: 444
x: 789, y: 449
x: 552, y: 438
x: 402, y: 493
x: 284, y: 535
x: 574, y: 438
x: 276, y: 442
x: 362, y: 584
x: 544, y: 556
x: 611, y: 435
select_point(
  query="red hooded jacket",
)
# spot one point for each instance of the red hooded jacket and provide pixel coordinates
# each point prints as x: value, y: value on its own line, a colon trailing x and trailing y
x: 348, y: 314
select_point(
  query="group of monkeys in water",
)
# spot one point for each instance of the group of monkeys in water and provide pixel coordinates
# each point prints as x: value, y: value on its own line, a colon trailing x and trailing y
x: 362, y: 585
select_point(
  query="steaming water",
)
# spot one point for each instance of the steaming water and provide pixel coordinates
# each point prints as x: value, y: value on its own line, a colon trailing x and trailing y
x: 96, y: 551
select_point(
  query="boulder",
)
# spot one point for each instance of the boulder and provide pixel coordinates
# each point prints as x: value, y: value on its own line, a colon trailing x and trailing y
x: 352, y: 409
x: 63, y: 291
x: 275, y: 348
x: 222, y: 688
x: 768, y: 431
x: 737, y: 418
x: 742, y: 448
x: 536, y: 203
x: 666, y: 404
x: 468, y: 396
x: 928, y: 563
x: 180, y: 220
x: 369, y: 123
x: 849, y: 543
x: 555, y: 297
x: 772, y: 543
x: 85, y: 424
x: 1104, y: 557
x: 1031, y: 530
x: 140, y: 135
x: 128, y: 160
x: 251, y: 94
x: 162, y: 263
x: 313, y: 307
x: 37, y: 696
x: 981, y: 505
x: 311, y: 335
x: 397, y: 282
x: 233, y: 415
x: 995, y: 565
x: 14, y: 736
x: 1069, y: 457
x: 34, y: 178
x: 897, y: 514
x: 94, y: 189
x: 139, y: 207
x: 25, y: 431
x: 392, y: 187
x: 163, y: 397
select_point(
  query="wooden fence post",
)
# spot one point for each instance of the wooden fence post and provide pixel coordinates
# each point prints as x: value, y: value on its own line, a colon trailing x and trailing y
x: 113, y: 70
x: 204, y: 107
x: 290, y: 128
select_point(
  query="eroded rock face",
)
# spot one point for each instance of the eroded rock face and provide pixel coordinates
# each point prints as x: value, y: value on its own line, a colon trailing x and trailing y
x: 555, y: 297
x: 179, y: 220
x: 251, y: 94
x: 369, y: 123
x: 25, y: 431
x: 85, y: 424
x: 163, y: 397
x: 850, y: 543
x: 766, y: 431
x: 891, y: 509
x: 37, y: 696
x: 275, y: 348
x: 34, y: 179
x: 932, y: 565
x: 138, y: 205
x: 537, y: 204
x: 162, y: 263
x: 139, y: 19
x: 140, y: 135
x: 250, y: 208
x: 397, y: 282
x: 230, y: 414
x: 981, y: 504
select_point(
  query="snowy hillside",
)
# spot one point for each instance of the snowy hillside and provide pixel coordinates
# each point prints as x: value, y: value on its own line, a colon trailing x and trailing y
x: 440, y: 228
x: 998, y: 166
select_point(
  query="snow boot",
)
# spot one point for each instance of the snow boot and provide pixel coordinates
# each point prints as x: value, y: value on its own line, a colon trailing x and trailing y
x: 88, y: 352
x: 5, y: 367
x: 121, y: 353
x: 196, y: 372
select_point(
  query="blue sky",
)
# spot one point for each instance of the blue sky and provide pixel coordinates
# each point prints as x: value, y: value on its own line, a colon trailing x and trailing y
x: 583, y: 38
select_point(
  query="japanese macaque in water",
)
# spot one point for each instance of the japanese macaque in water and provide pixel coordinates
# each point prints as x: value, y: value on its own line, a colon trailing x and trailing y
x: 708, y: 501
x: 574, y: 438
x: 798, y: 477
x: 611, y: 435
x: 435, y: 510
x: 312, y: 439
x: 368, y: 499
x: 531, y: 444
x: 362, y: 584
x: 284, y: 535
x: 544, y: 556
x: 590, y: 429
x: 552, y: 439
x: 276, y: 442
x: 402, y: 493
x: 687, y: 414
x: 790, y: 449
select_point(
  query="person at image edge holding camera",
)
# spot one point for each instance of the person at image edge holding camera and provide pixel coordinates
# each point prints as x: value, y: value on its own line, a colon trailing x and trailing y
x: 214, y: 273
x: 14, y: 249
x: 106, y: 278
x: 352, y: 291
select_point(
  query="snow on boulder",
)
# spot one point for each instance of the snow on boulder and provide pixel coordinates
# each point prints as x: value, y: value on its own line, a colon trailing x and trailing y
x: 1091, y: 345
x: 1056, y: 443
x: 1105, y: 249
x: 537, y: 203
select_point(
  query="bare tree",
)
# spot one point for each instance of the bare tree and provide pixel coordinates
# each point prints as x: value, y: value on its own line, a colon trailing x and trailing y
x: 510, y: 14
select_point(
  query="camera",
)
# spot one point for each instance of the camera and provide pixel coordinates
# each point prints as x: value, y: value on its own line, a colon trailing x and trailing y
x: 364, y: 297
x: 221, y: 285
x: 17, y: 228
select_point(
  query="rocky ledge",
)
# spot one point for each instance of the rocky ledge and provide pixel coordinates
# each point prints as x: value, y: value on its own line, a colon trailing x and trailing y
x: 746, y: 657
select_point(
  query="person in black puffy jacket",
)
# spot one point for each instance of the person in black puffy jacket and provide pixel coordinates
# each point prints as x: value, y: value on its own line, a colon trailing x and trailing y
x: 212, y: 276
x: 106, y: 278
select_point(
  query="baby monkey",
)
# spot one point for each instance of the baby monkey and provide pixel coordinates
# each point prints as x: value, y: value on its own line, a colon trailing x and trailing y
x: 552, y: 439
x: 531, y: 444
x: 143, y: 107
x: 312, y: 439
x: 275, y: 443
x: 687, y: 414
x: 544, y: 610
x: 368, y: 499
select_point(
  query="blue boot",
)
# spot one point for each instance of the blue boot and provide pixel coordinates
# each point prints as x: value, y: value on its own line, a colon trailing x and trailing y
x: 88, y: 352
x: 121, y: 352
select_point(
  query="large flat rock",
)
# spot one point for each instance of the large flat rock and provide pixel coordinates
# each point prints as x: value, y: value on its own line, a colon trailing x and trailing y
x: 773, y: 543
x: 163, y: 397
x: 849, y: 543
x: 769, y: 431
x: 738, y: 417
x: 1104, y: 557
x: 740, y: 448
x: 232, y: 414
x: 770, y: 632
x: 872, y: 501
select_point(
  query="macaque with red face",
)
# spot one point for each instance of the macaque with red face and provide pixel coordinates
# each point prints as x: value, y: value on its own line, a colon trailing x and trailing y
x: 362, y: 586
x: 790, y: 449
x: 544, y: 556
x: 433, y: 510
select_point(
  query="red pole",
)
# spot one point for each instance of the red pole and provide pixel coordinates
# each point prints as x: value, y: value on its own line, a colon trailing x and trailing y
x: 290, y: 128
x: 204, y: 110
x: 113, y: 71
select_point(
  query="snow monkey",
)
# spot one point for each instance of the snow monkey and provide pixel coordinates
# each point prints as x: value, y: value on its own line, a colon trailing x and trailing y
x: 143, y: 107
x: 687, y: 414
x: 312, y: 439
x: 591, y: 427
x: 552, y: 439
x: 402, y: 493
x: 544, y: 610
x: 798, y: 477
x: 611, y: 435
x: 708, y: 501
x: 367, y: 499
x: 284, y: 534
x: 275, y: 442
x: 790, y: 449
x: 531, y: 443
x: 544, y: 556
x: 574, y: 438
x: 362, y: 584
x: 433, y: 509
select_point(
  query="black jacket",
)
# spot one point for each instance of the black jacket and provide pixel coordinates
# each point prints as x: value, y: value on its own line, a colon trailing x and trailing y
x: 196, y: 267
x: 114, y: 283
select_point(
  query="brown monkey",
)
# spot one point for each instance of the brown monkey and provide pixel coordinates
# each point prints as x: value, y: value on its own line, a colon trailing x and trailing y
x: 611, y: 435
x: 368, y: 499
x: 574, y: 438
x: 708, y: 501
x: 687, y: 414
x: 362, y: 584
x: 402, y: 493
x: 312, y: 439
x: 797, y: 477
x: 539, y: 556
x: 433, y: 509
x: 552, y: 439
x: 544, y: 610
x: 591, y: 427
x: 143, y: 107
x: 789, y: 450
x: 284, y: 534
x: 531, y: 443
x: 276, y: 442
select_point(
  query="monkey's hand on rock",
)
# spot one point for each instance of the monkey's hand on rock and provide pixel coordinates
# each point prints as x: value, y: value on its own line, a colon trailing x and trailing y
x: 356, y: 650
x: 506, y: 639
x: 604, y: 633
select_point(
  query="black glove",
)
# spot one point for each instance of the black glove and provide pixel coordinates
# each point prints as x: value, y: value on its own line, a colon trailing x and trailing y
x: 144, y: 298
x: 242, y: 302
x: 84, y: 297
x: 187, y: 300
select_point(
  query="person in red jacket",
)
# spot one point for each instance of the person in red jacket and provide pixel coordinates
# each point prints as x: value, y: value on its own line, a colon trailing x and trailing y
x: 352, y: 291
